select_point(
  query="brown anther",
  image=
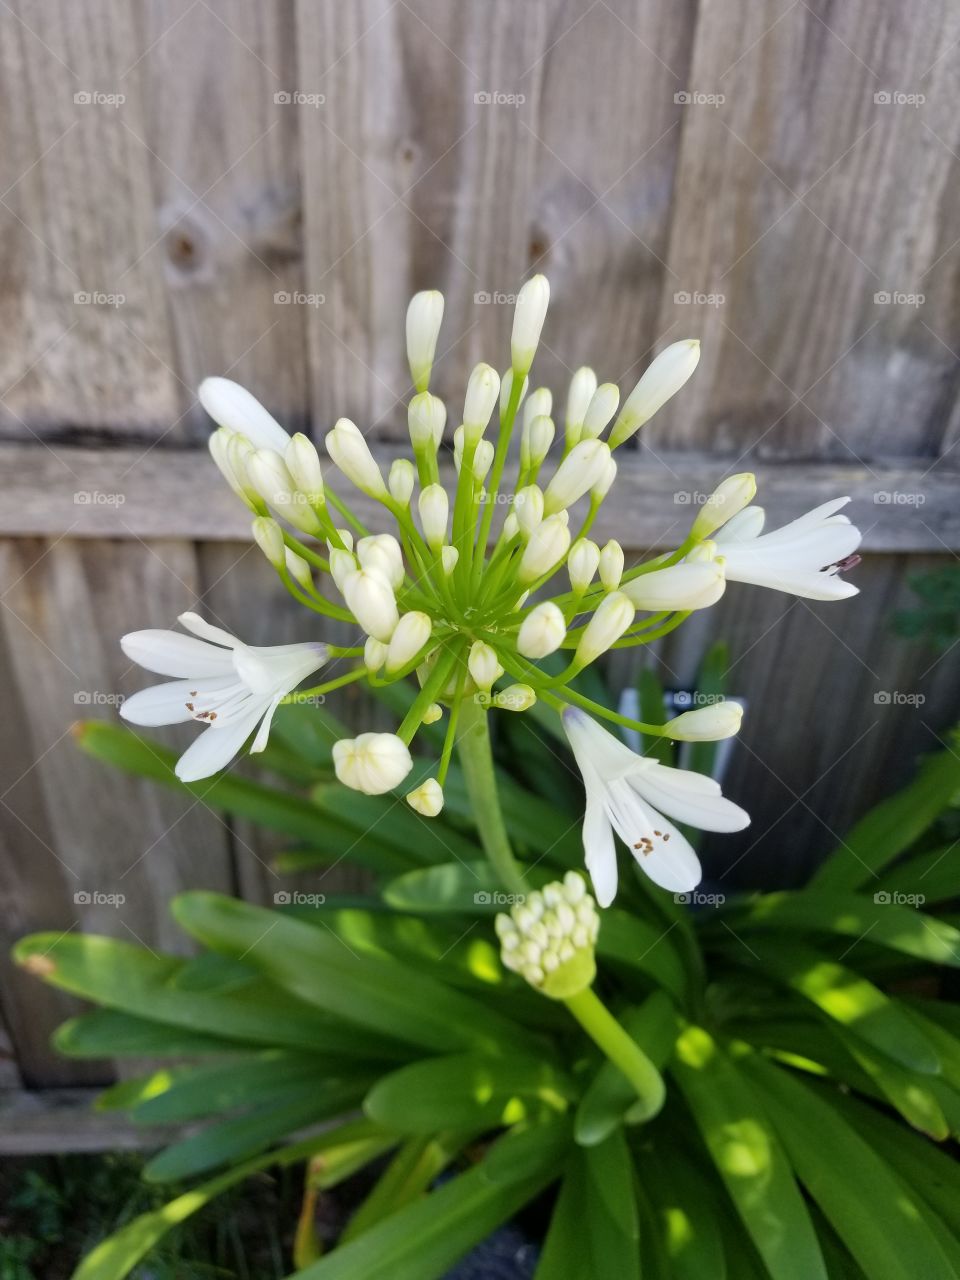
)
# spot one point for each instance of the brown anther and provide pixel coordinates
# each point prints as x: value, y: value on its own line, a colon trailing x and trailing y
x: 189, y: 706
x: 667, y: 836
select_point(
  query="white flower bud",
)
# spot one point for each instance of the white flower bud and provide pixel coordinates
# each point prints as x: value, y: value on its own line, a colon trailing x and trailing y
x: 402, y: 476
x: 483, y: 665
x: 483, y: 460
x: 610, y: 620
x: 576, y: 475
x: 372, y: 763
x: 374, y: 654
x: 426, y: 418
x: 433, y: 713
x: 269, y: 475
x: 348, y: 449
x: 663, y: 379
x: 536, y: 441
x: 745, y: 526
x: 528, y: 318
x: 370, y: 599
x: 705, y: 551
x: 427, y: 799
x: 424, y: 316
x: 538, y: 404
x: 411, y: 634
x: 233, y: 407
x: 299, y: 570
x: 528, y: 508
x: 511, y: 525
x: 600, y: 410
x: 303, y: 463
x: 542, y: 631
x: 345, y: 536
x: 483, y: 388
x: 218, y: 443
x: 582, y: 386
x: 707, y: 724
x: 689, y: 585
x: 268, y: 536
x: 582, y: 564
x: 434, y: 511
x: 506, y: 390
x: 611, y: 565
x: 604, y: 484
x: 516, y: 697
x: 342, y: 564
x: 547, y: 546
x: 729, y: 498
x: 448, y: 559
x: 382, y: 551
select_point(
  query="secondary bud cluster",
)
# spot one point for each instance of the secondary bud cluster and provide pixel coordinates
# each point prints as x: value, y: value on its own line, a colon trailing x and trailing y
x: 550, y: 938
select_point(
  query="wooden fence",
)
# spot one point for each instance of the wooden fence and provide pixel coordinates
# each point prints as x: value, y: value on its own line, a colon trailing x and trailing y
x: 256, y: 188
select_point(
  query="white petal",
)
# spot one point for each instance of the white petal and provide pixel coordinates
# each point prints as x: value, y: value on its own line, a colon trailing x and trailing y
x: 169, y: 653
x: 600, y: 854
x: 206, y: 630
x: 263, y: 733
x: 167, y: 703
x: 670, y: 863
x: 744, y: 526
x: 215, y: 748
x: 708, y: 812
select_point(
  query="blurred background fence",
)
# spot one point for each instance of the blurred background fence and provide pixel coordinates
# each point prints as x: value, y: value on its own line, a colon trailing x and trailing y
x: 254, y: 189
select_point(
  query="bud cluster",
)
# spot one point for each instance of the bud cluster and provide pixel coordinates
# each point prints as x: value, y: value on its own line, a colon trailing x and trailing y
x: 550, y: 938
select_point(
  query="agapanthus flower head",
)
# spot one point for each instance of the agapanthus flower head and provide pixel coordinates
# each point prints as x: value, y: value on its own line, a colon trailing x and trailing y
x: 480, y: 579
x: 550, y: 937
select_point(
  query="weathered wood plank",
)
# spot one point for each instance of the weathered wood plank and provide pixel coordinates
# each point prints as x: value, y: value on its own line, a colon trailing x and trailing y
x: 87, y: 344
x: 76, y: 834
x: 226, y: 179
x: 800, y: 197
x: 51, y: 1121
x: 901, y: 505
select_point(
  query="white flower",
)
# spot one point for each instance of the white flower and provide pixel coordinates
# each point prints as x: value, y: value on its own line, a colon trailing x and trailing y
x: 233, y: 407
x: 506, y: 390
x: 372, y: 763
x: 707, y: 724
x: 427, y: 799
x: 550, y: 937
x: 348, y: 449
x: 434, y: 513
x: 693, y: 584
x: 483, y: 388
x: 516, y: 697
x: 611, y: 565
x: 424, y: 316
x: 602, y: 407
x: 536, y: 440
x: 382, y: 551
x: 269, y: 475
x: 402, y: 476
x: 630, y: 794
x: 531, y: 311
x: 221, y: 682
x: 727, y: 500
x: 411, y: 634
x: 370, y: 599
x: 612, y: 617
x: 579, y: 471
x: 268, y: 536
x: 664, y: 378
x: 548, y: 544
x: 582, y: 564
x: 303, y: 463
x: 528, y: 508
x: 426, y: 418
x: 483, y: 665
x: 448, y: 559
x: 582, y: 386
x: 801, y: 557
x: 542, y: 631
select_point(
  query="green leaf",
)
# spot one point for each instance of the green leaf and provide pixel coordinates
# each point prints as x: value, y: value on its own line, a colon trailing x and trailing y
x: 207, y: 1091
x: 878, y: 1217
x: 129, y: 978
x: 652, y: 711
x: 467, y: 888
x: 748, y: 1156
x: 409, y: 1174
x: 105, y: 1033
x: 913, y: 1095
x: 423, y: 1240
x: 314, y: 965
x: 242, y: 1136
x: 933, y: 875
x: 646, y: 948
x: 610, y: 1099
x: 892, y: 826
x: 566, y: 1253
x: 688, y: 1211
x: 116, y: 1256
x: 466, y: 1091
x: 886, y: 924
x: 701, y: 757
x: 417, y: 840
x: 849, y: 1000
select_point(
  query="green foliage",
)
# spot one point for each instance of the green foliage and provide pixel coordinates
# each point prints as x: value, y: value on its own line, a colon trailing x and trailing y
x: 803, y: 1086
x: 935, y: 619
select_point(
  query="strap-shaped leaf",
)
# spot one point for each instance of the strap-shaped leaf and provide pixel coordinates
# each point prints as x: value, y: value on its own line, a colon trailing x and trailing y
x: 879, y: 1218
x: 313, y: 964
x: 847, y: 998
x: 599, y: 1201
x: 689, y: 1209
x: 934, y: 874
x: 466, y: 1091
x: 104, y: 1033
x: 892, y: 826
x: 885, y: 924
x: 422, y: 1241
x: 748, y: 1156
x: 131, y: 979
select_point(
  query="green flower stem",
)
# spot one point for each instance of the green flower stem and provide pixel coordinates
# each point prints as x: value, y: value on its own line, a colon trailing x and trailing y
x: 597, y: 709
x: 432, y: 687
x: 622, y: 1050
x: 476, y: 759
x: 644, y: 637
x: 496, y: 473
x: 305, y: 553
x: 316, y: 602
x: 302, y: 695
x: 451, y: 736
x: 347, y: 514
